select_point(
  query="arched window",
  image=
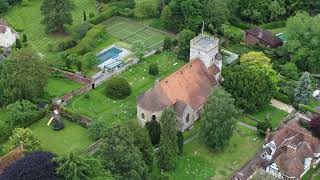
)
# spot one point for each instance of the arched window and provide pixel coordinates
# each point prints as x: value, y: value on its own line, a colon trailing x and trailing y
x: 154, y: 118
x: 142, y: 115
x: 187, y: 118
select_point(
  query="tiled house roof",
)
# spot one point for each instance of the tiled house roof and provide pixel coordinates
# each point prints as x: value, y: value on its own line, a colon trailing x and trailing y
x: 192, y: 84
x: 263, y: 35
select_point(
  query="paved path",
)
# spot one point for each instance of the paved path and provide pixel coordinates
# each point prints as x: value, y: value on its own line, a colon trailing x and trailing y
x: 282, y: 106
x: 247, y: 126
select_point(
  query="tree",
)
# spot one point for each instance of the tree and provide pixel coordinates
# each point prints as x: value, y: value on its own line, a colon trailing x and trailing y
x: 166, y: 16
x: 24, y: 75
x: 142, y: 141
x: 251, y: 88
x: 167, y: 44
x: 154, y: 69
x: 218, y: 120
x: 25, y: 137
x: 18, y: 44
x: 21, y: 113
x: 218, y: 13
x: 96, y: 129
x: 84, y: 16
x: 302, y: 38
x: 37, y: 165
x: 263, y: 126
x: 120, y: 155
x: 118, y: 88
x: 56, y: 14
x: 154, y: 131
x: 4, y: 5
x: 146, y: 9
x: 139, y: 49
x: 79, y: 66
x: 77, y: 167
x: 168, y: 148
x: 90, y: 60
x: 276, y: 10
x: 302, y: 93
x: 290, y: 70
x: 180, y: 141
x: 185, y: 37
x: 24, y: 38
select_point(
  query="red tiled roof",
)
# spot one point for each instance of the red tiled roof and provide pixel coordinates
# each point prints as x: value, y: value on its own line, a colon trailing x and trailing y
x: 192, y: 84
x: 265, y: 36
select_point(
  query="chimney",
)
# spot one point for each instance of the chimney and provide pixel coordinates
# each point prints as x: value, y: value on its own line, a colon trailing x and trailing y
x: 260, y: 33
x: 291, y: 150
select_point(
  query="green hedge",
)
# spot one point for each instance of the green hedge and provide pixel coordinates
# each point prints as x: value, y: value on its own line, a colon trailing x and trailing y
x: 274, y: 25
x: 235, y: 21
x: 89, y: 41
x: 102, y: 17
x: 282, y: 97
x: 303, y: 107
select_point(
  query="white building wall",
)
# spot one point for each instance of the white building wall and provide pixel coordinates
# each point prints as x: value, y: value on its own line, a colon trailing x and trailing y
x: 8, y: 38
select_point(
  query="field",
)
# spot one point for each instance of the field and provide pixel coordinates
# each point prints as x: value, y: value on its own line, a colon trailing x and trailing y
x: 275, y: 115
x: 59, y: 86
x: 27, y: 18
x: 98, y: 106
x: 130, y: 31
x: 198, y: 162
x: 72, y: 138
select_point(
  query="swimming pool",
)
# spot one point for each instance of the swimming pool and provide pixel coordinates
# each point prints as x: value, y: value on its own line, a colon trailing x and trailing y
x: 111, y: 53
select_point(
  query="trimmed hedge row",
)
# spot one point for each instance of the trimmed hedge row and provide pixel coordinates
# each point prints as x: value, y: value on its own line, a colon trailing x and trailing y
x: 235, y: 21
x: 274, y: 25
x: 303, y: 107
x: 89, y: 41
x: 282, y: 97
x: 103, y: 16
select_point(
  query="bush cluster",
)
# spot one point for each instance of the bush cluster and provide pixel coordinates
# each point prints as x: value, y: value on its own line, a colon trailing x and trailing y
x: 154, y: 69
x: 103, y: 16
x: 117, y: 88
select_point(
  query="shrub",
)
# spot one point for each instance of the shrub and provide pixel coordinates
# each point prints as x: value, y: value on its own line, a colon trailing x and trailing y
x: 102, y: 17
x: 38, y: 165
x: 22, y: 113
x: 306, y: 108
x: 154, y: 69
x: 118, y: 88
x: 290, y: 70
x: 96, y: 129
x: 235, y: 21
x: 282, y: 97
x: 262, y: 127
x: 81, y: 30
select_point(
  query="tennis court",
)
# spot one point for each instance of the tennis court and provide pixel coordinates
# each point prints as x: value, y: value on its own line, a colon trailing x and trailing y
x: 130, y: 31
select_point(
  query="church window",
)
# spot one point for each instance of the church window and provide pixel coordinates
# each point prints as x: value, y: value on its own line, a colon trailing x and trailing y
x: 142, y: 115
x: 154, y: 118
x: 187, y: 118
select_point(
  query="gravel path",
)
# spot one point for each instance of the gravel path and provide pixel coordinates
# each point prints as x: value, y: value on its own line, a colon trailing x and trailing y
x: 282, y: 106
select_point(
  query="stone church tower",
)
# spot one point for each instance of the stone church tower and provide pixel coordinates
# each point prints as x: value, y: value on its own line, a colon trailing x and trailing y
x: 206, y: 48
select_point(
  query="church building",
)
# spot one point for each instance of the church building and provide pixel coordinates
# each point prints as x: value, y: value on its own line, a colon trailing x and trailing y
x: 187, y: 89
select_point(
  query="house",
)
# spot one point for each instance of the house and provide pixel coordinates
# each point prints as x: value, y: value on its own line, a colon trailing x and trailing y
x: 8, y: 35
x: 288, y: 154
x: 187, y: 89
x: 260, y: 36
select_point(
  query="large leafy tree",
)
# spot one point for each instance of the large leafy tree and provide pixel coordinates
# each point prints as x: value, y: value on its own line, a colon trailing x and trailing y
x: 77, y: 167
x: 21, y: 113
x: 302, y: 93
x: 184, y: 43
x: 219, y: 120
x: 56, y: 14
x: 168, y: 148
x: 25, y: 137
x: 142, y: 141
x: 37, y: 165
x: 251, y: 87
x: 23, y: 76
x: 4, y: 5
x: 217, y: 13
x: 97, y: 129
x: 303, y: 38
x: 120, y: 155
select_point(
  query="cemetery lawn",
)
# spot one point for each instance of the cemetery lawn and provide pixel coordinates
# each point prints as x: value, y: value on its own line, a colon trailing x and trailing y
x: 72, y: 138
x: 198, y: 162
x: 275, y: 114
x: 27, y: 19
x: 97, y: 106
x: 59, y: 86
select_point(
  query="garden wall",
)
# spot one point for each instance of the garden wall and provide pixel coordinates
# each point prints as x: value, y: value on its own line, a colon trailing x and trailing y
x: 10, y: 158
x: 82, y: 120
x: 72, y: 76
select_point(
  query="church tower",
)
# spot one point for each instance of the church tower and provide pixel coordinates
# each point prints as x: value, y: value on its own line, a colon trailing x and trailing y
x: 206, y: 48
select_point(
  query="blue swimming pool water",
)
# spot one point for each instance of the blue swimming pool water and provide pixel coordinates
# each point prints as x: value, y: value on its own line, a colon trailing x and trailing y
x: 109, y: 54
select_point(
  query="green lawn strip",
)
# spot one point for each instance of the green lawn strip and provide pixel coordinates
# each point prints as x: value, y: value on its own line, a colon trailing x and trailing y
x: 315, y: 172
x: 28, y: 19
x: 198, y: 162
x: 248, y: 121
x: 189, y: 133
x: 98, y: 106
x: 72, y: 138
x: 275, y: 114
x: 3, y: 115
x: 59, y: 86
x: 314, y: 103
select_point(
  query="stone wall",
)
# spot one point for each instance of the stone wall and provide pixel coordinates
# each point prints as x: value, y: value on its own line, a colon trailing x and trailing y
x: 10, y: 158
x: 82, y: 120
x: 72, y: 76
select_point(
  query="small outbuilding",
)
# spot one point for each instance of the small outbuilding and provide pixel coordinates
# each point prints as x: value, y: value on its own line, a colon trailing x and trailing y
x: 257, y: 35
x: 8, y: 35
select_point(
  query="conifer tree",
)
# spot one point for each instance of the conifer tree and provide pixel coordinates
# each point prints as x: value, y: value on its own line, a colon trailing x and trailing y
x: 84, y: 16
x: 168, y: 149
x: 18, y: 44
x: 302, y: 93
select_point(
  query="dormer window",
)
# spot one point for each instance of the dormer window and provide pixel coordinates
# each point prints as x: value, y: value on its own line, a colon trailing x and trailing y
x: 264, y: 155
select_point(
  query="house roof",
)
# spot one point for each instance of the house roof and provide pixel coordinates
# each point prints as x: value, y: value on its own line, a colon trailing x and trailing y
x: 192, y: 84
x: 265, y: 36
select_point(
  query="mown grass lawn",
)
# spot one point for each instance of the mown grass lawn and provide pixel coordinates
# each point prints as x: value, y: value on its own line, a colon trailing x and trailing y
x: 275, y: 115
x: 27, y: 18
x: 98, y: 106
x: 198, y: 162
x: 72, y: 138
x: 59, y: 86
